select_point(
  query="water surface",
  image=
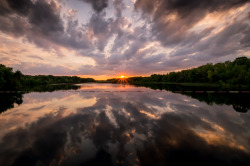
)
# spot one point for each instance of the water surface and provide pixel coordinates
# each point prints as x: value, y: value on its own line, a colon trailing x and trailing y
x: 115, y: 124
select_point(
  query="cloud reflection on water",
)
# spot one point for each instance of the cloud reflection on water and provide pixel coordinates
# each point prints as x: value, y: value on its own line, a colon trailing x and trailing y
x: 145, y: 128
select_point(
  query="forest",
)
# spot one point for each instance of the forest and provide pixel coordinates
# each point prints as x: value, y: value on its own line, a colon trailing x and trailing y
x: 224, y: 74
x: 10, y: 80
x: 236, y: 73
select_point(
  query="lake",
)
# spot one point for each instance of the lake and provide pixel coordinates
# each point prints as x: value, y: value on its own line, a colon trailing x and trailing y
x: 117, y: 124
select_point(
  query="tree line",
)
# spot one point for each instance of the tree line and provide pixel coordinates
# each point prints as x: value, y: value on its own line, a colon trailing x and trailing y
x: 227, y: 73
x: 10, y: 80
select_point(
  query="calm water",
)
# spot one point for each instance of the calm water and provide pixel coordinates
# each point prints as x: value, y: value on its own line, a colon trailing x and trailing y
x: 110, y: 124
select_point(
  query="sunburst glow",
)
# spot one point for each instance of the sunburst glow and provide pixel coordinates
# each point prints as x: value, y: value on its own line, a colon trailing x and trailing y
x: 122, y: 79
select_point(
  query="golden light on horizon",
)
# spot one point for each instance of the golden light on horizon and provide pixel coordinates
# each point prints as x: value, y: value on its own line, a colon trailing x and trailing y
x: 122, y: 79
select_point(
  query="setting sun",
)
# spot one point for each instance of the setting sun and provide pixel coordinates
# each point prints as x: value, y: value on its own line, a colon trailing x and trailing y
x: 122, y: 79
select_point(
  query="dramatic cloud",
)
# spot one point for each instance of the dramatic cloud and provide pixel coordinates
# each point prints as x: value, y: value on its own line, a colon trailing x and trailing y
x: 109, y: 37
x: 100, y: 28
x: 40, y: 22
x: 173, y: 19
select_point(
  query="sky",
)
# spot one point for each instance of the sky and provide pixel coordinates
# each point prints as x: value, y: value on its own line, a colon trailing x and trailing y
x: 108, y: 38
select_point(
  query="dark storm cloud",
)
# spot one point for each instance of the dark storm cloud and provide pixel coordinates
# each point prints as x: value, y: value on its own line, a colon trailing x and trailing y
x: 101, y: 29
x: 21, y: 7
x: 40, y: 23
x: 186, y: 14
x: 97, y: 5
x: 190, y: 10
x: 46, y: 18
